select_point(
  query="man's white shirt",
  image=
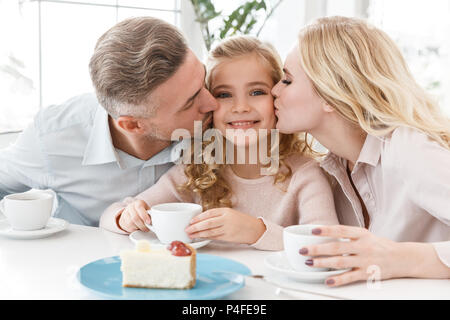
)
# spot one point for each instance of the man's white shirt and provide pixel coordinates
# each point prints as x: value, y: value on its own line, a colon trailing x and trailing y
x: 68, y: 149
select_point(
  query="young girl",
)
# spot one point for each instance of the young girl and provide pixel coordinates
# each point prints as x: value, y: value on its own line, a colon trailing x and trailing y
x: 347, y: 84
x: 241, y: 205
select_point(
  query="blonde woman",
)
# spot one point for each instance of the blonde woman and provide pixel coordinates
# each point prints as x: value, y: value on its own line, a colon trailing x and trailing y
x: 242, y: 204
x: 347, y: 84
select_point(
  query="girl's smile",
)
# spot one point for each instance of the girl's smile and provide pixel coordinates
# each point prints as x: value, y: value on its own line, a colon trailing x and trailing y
x: 243, y: 124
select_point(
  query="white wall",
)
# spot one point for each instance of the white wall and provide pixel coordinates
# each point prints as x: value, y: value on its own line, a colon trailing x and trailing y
x: 6, y: 139
x: 282, y: 28
x: 191, y: 30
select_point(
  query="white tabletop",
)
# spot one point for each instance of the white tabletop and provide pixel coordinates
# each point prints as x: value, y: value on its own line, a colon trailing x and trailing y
x: 46, y: 269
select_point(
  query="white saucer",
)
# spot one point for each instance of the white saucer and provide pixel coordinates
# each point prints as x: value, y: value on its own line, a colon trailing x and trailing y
x: 151, y: 237
x: 278, y: 262
x: 54, y: 225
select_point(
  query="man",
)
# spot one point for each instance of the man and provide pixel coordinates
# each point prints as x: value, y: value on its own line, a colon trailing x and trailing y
x: 95, y: 150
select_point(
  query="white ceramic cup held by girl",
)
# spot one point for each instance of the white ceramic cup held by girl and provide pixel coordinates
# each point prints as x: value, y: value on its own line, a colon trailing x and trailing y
x: 299, y: 236
x: 170, y: 219
x: 29, y: 210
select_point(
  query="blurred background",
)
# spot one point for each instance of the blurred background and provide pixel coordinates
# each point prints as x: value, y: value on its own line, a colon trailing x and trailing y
x: 45, y: 45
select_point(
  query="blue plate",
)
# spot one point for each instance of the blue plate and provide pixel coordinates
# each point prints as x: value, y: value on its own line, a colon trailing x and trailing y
x: 104, y: 278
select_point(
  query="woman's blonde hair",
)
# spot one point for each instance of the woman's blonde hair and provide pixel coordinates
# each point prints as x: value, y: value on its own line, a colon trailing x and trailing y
x: 207, y: 180
x: 358, y: 69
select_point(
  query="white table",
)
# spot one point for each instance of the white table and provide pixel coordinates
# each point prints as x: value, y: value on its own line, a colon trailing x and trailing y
x: 46, y: 269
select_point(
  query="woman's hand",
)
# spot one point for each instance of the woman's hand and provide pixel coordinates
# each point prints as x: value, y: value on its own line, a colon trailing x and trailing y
x: 134, y: 217
x: 226, y: 224
x: 366, y: 254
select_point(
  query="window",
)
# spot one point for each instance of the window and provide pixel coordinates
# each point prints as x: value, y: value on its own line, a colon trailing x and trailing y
x: 421, y: 29
x: 47, y: 45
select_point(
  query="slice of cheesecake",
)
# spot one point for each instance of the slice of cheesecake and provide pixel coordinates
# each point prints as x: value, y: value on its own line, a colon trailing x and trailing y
x: 172, y: 267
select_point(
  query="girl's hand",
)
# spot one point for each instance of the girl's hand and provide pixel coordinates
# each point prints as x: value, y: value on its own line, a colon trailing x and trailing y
x: 226, y: 224
x: 134, y: 216
x: 367, y: 255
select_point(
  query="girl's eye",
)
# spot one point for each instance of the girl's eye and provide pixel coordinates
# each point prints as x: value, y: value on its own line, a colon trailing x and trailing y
x: 257, y: 93
x: 222, y: 95
x: 286, y: 82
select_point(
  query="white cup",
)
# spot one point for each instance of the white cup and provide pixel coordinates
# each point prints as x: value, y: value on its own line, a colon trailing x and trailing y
x: 29, y: 210
x: 170, y: 219
x: 297, y: 237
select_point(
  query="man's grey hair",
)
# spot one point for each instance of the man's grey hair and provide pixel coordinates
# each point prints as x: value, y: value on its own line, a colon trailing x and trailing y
x: 131, y: 60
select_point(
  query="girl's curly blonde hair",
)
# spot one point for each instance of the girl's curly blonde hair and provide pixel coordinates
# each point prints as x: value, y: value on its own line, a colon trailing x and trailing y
x: 207, y: 180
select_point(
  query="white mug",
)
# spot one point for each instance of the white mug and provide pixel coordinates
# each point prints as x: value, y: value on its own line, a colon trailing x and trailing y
x: 170, y: 219
x: 29, y: 210
x: 299, y: 236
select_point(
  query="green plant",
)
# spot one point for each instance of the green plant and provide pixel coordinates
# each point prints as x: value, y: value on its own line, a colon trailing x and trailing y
x: 241, y: 21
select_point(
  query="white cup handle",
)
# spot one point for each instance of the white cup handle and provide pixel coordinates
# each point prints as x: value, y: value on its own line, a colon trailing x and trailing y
x: 149, y: 225
x: 2, y: 206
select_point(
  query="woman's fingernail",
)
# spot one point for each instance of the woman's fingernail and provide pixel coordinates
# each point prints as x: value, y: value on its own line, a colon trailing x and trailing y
x: 309, y: 262
x: 303, y: 251
x: 316, y: 231
x: 330, y: 282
